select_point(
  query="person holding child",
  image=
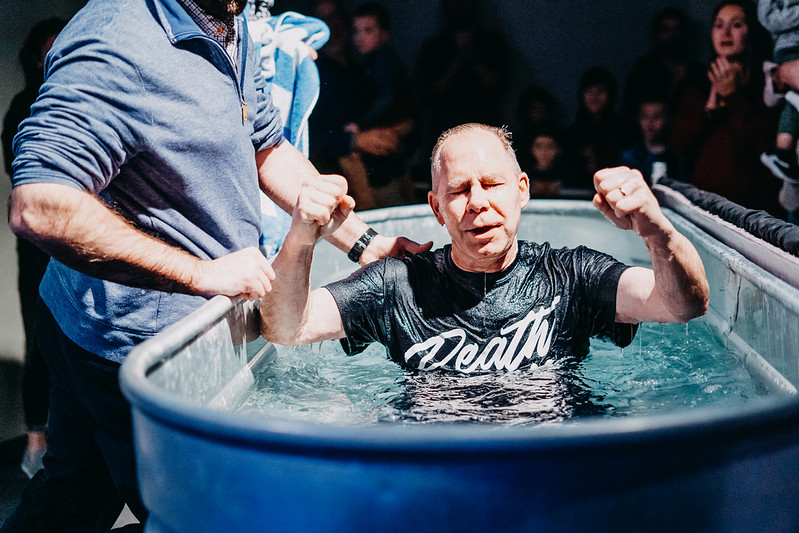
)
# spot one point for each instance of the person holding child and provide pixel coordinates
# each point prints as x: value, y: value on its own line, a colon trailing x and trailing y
x: 781, y: 19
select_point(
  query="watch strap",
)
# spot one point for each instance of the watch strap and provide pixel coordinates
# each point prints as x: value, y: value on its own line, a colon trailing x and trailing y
x: 360, y: 245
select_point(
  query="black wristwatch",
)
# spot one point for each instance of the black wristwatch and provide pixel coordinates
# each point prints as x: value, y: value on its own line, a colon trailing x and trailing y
x: 360, y: 245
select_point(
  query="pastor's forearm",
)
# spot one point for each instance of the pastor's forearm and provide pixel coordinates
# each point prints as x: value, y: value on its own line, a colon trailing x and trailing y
x: 80, y: 231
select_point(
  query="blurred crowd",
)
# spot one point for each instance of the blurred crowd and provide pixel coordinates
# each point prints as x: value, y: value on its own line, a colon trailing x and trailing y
x: 715, y: 125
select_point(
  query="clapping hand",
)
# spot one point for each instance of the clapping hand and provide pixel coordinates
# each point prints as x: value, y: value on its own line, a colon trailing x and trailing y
x: 725, y: 79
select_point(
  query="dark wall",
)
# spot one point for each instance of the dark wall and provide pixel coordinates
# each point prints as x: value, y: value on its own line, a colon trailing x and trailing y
x: 552, y: 41
x: 16, y: 19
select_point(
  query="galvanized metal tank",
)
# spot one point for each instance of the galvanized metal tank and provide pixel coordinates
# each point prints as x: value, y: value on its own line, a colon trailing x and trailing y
x: 202, y: 468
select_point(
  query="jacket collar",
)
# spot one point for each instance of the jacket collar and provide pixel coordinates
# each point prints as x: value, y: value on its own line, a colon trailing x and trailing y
x: 177, y: 24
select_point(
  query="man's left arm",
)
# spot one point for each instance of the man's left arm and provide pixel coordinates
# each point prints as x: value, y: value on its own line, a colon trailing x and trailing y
x: 283, y: 169
x: 676, y: 289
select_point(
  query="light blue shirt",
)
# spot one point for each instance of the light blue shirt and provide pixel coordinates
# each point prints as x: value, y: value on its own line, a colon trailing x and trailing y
x: 145, y: 110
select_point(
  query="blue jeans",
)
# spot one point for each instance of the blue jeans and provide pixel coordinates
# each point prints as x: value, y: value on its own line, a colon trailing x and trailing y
x: 89, y: 469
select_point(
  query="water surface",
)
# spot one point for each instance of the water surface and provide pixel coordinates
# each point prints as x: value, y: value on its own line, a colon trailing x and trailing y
x: 667, y: 367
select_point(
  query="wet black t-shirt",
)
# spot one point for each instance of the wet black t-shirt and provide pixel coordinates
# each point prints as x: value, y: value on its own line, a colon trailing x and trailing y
x: 430, y: 314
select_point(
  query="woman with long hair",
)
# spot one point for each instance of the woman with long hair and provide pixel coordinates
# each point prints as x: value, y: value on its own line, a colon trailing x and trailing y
x: 722, y: 125
x: 597, y: 134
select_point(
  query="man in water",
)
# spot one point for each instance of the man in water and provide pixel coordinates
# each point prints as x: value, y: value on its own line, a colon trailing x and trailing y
x: 487, y: 301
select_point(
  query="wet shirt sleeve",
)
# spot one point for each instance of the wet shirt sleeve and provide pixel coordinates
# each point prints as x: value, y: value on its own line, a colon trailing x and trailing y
x: 361, y: 299
x: 600, y: 275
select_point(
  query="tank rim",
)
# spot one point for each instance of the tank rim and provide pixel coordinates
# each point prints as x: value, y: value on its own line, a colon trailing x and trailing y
x: 755, y: 418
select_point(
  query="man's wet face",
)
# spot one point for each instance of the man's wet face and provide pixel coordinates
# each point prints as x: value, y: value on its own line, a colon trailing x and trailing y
x: 478, y: 195
x: 222, y: 9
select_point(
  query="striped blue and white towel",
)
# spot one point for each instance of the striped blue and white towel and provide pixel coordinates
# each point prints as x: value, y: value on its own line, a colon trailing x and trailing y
x: 283, y: 43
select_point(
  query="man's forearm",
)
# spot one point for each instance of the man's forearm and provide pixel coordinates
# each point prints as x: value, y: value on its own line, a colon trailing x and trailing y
x: 291, y: 313
x: 282, y: 170
x: 676, y: 289
x: 679, y: 275
x: 284, y: 310
x: 80, y: 231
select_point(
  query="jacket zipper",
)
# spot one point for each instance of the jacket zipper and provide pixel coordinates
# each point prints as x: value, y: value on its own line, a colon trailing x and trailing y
x: 232, y: 68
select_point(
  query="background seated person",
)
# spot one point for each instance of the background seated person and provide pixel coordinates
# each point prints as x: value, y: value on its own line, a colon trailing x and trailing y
x: 487, y: 301
x: 382, y: 133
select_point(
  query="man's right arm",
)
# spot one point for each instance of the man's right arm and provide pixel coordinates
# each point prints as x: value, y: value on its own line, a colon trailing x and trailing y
x: 676, y: 288
x: 80, y: 231
x: 291, y: 314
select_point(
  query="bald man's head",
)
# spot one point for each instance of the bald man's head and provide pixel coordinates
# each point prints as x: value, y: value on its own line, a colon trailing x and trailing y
x: 501, y: 134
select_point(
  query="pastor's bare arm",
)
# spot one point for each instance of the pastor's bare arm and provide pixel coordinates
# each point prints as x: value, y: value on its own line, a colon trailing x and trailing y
x: 80, y: 231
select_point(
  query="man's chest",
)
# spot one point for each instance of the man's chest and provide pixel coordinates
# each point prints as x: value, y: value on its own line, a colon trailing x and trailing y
x: 483, y: 338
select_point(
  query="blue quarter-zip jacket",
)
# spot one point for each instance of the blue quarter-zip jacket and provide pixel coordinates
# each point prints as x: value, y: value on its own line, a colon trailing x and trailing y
x: 146, y: 111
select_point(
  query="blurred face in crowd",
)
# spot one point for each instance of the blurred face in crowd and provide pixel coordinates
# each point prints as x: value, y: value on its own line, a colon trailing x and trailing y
x: 730, y: 31
x: 222, y: 8
x: 329, y: 13
x: 545, y: 150
x: 537, y: 111
x: 367, y: 35
x: 652, y: 120
x: 670, y: 36
x: 595, y: 98
x: 478, y: 193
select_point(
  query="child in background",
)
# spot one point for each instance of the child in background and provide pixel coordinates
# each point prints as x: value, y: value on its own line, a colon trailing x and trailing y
x: 650, y: 155
x: 541, y: 158
x: 537, y: 108
x: 781, y: 19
